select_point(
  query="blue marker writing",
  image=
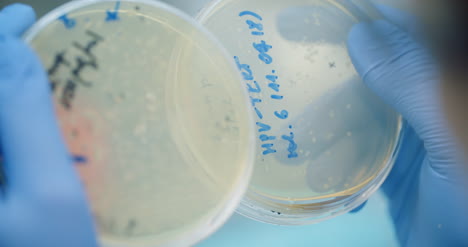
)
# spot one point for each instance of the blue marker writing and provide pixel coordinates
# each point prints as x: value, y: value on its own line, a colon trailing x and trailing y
x: 268, y: 149
x: 256, y: 33
x: 274, y: 86
x: 68, y: 22
x: 292, y: 145
x: 255, y: 89
x: 113, y: 15
x: 265, y: 138
x: 257, y: 29
x: 245, y: 69
x: 254, y: 25
x: 254, y: 101
x: 263, y: 127
x: 277, y: 97
x: 282, y: 115
x: 243, y: 13
x: 258, y: 112
x: 272, y: 78
x: 263, y: 48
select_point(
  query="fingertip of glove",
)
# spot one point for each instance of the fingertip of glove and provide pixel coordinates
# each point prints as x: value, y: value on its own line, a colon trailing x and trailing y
x: 357, y: 33
x: 368, y: 41
x: 358, y: 42
x: 363, y: 33
x: 20, y: 9
x: 16, y: 18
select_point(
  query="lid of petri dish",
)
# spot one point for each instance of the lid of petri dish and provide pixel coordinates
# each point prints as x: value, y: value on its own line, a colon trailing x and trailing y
x: 156, y: 116
x: 324, y: 141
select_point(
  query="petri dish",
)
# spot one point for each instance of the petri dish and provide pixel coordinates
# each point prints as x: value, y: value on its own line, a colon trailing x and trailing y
x: 155, y: 115
x: 324, y: 142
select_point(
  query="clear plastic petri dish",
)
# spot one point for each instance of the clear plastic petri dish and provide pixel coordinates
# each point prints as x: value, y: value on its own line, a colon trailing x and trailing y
x: 155, y: 115
x: 324, y: 142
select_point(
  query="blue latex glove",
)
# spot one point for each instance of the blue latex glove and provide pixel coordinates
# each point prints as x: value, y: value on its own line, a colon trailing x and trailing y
x: 425, y: 188
x: 42, y: 204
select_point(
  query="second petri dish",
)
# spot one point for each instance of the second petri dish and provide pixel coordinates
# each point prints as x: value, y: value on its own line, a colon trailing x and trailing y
x: 154, y: 112
x: 324, y: 141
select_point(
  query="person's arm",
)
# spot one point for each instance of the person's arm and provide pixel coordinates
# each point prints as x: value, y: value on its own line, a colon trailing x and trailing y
x: 42, y: 203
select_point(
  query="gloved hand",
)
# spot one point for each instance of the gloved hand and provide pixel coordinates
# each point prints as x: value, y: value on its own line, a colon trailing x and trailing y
x: 42, y: 203
x: 425, y: 188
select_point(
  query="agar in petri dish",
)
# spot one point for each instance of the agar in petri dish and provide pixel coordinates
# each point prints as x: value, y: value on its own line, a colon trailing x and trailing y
x: 324, y: 141
x: 154, y: 112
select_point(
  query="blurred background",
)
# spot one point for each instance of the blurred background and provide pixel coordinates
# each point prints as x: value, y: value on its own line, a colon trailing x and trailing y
x: 369, y: 227
x: 189, y: 6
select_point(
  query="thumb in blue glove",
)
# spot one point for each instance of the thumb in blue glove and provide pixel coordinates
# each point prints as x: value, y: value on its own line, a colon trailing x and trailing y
x: 42, y: 204
x: 426, y: 192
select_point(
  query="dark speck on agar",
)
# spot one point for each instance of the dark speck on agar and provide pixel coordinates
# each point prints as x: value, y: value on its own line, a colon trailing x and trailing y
x: 80, y: 159
x: 111, y: 225
x: 122, y: 96
x: 75, y: 133
x: 137, y: 8
x: 131, y: 226
x: 275, y: 212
